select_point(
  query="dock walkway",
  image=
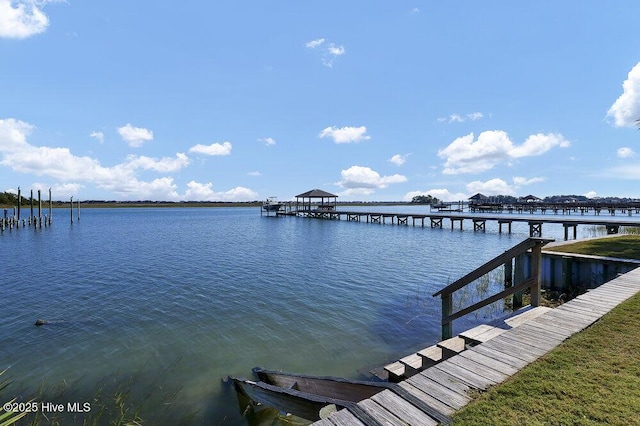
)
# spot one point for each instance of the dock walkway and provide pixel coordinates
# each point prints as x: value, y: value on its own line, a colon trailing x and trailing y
x: 448, y: 385
x: 479, y: 220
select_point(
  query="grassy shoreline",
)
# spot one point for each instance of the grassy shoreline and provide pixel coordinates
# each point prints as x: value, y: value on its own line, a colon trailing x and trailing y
x: 590, y: 379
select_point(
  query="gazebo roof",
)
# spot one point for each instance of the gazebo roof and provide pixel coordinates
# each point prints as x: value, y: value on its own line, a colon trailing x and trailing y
x: 316, y: 193
x: 531, y: 197
x: 479, y: 196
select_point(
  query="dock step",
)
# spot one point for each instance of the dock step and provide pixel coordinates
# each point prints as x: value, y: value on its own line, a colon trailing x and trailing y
x: 452, y: 347
x: 430, y: 356
x: 396, y: 371
x: 412, y: 364
x: 481, y: 334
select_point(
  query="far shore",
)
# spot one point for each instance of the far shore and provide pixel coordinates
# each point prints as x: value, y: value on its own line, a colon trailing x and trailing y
x: 127, y: 204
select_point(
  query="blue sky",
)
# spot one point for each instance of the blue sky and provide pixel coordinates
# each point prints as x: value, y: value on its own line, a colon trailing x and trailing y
x: 370, y: 100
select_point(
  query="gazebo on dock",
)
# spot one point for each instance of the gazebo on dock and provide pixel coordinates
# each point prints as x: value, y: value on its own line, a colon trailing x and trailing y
x: 322, y: 200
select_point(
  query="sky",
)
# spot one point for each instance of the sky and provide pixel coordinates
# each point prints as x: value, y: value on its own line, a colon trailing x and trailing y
x: 370, y: 100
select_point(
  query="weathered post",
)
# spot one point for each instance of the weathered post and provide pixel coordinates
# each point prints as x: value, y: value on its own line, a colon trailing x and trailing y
x: 71, y: 210
x: 78, y: 204
x: 50, y: 207
x: 518, y: 278
x: 447, y: 309
x: 31, y: 202
x: 508, y: 274
x: 536, y: 274
x: 40, y: 208
x: 19, y: 203
x: 567, y: 268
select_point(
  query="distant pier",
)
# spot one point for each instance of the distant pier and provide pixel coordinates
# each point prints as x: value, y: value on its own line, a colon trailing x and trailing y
x: 13, y: 218
x: 456, y: 219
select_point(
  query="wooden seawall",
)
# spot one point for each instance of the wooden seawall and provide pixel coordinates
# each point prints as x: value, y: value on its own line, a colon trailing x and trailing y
x: 447, y: 386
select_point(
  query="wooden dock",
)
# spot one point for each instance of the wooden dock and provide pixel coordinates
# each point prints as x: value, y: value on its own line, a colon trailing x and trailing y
x: 479, y: 220
x: 447, y: 386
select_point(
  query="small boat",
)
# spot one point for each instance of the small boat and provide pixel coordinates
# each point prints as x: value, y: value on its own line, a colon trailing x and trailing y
x: 306, y: 396
x: 271, y: 204
x: 301, y: 404
x: 327, y: 386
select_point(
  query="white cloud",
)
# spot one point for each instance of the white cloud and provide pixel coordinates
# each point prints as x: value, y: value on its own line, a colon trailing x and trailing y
x: 65, y: 190
x: 539, y: 144
x: 345, y: 134
x: 626, y: 109
x: 21, y: 19
x: 399, y: 159
x: 591, y: 194
x: 267, y: 141
x: 98, y: 135
x: 358, y: 177
x: 440, y: 193
x: 165, y: 165
x: 315, y: 43
x: 457, y: 118
x: 204, y: 192
x: 521, y: 181
x: 336, y: 50
x: 135, y: 136
x: 213, y: 149
x: 73, y: 171
x: 329, y: 53
x: 625, y: 152
x: 415, y: 10
x: 627, y: 172
x: 466, y: 155
x: 254, y: 173
x: 491, y: 187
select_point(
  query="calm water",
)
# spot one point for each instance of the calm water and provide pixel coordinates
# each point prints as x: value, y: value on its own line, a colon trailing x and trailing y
x: 178, y: 299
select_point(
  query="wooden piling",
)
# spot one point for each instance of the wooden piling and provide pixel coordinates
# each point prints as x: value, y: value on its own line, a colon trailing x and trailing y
x: 71, y: 209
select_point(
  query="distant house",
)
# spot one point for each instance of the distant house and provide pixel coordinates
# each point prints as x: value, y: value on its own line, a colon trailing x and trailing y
x: 478, y: 199
x: 530, y: 199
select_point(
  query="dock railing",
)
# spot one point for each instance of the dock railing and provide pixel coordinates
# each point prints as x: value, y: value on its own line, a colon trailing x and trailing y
x: 514, y: 284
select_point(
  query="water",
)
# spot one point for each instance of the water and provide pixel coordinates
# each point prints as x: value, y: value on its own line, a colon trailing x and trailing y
x: 178, y: 299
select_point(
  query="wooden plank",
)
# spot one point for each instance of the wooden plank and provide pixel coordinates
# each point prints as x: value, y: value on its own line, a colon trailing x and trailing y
x: 402, y: 409
x: 533, y: 343
x: 479, y: 369
x: 376, y: 411
x: 476, y: 331
x: 530, y: 314
x: 447, y: 380
x: 440, y: 392
x: 323, y: 422
x: 451, y: 347
x: 344, y: 418
x: 537, y: 334
x: 500, y: 356
x: 575, y: 314
x: 430, y: 355
x: 395, y: 370
x: 413, y: 362
x: 564, y: 322
x: 523, y: 352
x: 428, y: 399
x: 557, y: 335
x: 552, y: 328
x: 466, y: 376
x: 489, y: 362
x: 490, y: 334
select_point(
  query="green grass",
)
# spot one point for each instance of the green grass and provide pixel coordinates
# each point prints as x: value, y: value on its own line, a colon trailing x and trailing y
x: 593, y: 378
x: 624, y: 246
